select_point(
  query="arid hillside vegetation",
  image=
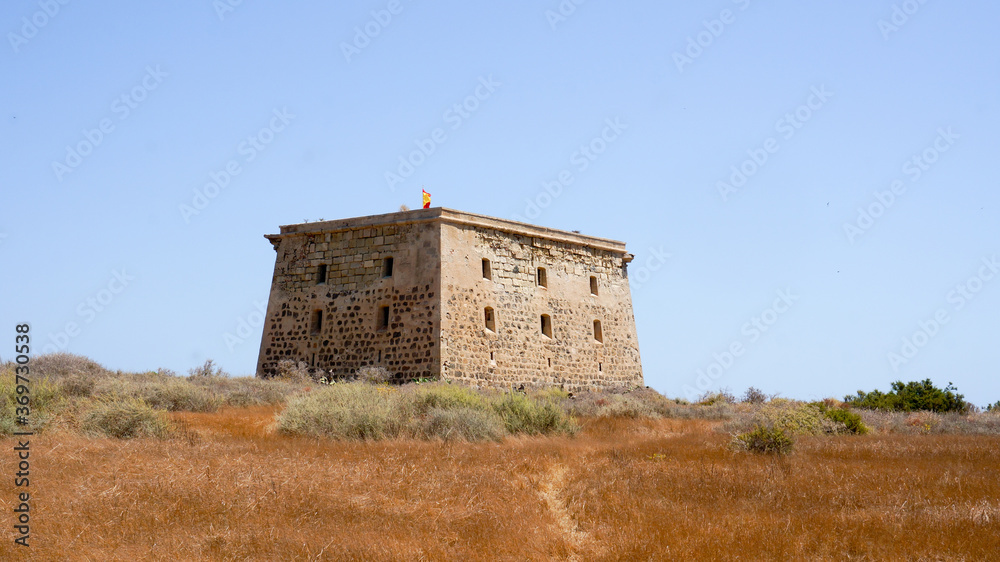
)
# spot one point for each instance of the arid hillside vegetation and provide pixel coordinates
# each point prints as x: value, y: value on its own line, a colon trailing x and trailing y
x: 154, y: 466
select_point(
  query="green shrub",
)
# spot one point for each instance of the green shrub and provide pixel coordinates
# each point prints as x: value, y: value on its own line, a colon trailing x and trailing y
x: 764, y: 440
x: 125, y: 418
x: 851, y: 420
x: 521, y: 414
x: 346, y: 411
x: 470, y: 424
x: 912, y: 396
x: 446, y: 396
x: 793, y: 418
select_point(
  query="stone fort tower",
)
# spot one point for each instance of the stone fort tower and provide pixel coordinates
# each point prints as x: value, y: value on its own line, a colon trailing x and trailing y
x: 438, y: 293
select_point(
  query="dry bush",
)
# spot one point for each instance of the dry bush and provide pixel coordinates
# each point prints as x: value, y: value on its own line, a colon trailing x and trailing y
x: 293, y: 371
x: 242, y: 392
x: 711, y: 397
x: 373, y: 375
x: 207, y: 369
x: 754, y: 395
x: 881, y: 421
x: 470, y: 424
x: 124, y: 418
x: 622, y: 489
x: 626, y: 406
x: 175, y: 395
x: 346, y: 411
x: 61, y: 365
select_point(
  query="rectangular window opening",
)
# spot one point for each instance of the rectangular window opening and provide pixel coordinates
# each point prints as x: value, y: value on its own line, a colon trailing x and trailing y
x: 593, y: 285
x: 550, y: 361
x: 321, y: 274
x: 382, y: 322
x: 387, y: 267
x: 598, y: 334
x: 547, y: 325
x: 600, y: 367
x: 541, y: 278
x: 487, y: 272
x: 316, y: 326
x: 490, y: 319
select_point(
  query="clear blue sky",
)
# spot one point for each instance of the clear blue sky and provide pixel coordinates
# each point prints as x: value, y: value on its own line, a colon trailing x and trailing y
x: 827, y: 107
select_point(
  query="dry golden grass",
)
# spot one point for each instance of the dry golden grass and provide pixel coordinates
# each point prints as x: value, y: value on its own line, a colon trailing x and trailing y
x: 229, y: 488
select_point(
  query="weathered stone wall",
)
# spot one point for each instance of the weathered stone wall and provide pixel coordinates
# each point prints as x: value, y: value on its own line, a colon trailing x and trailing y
x: 350, y: 297
x: 437, y: 299
x: 516, y: 351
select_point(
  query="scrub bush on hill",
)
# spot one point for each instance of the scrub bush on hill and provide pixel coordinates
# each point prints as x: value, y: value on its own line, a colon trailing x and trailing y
x: 356, y: 410
x: 798, y: 418
x: 764, y: 440
x: 912, y: 396
x: 346, y: 411
x: 125, y: 417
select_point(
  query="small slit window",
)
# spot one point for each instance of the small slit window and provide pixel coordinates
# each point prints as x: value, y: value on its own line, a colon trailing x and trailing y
x: 491, y: 324
x: 316, y: 326
x: 542, y: 278
x: 593, y: 285
x: 598, y: 334
x: 382, y: 322
x: 321, y: 274
x: 387, y: 267
x: 547, y: 325
x: 487, y: 272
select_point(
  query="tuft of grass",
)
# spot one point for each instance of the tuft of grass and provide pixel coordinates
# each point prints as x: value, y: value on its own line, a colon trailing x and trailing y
x: 125, y: 417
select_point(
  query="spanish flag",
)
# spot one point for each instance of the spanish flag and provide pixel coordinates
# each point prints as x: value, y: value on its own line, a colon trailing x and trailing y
x: 427, y: 199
